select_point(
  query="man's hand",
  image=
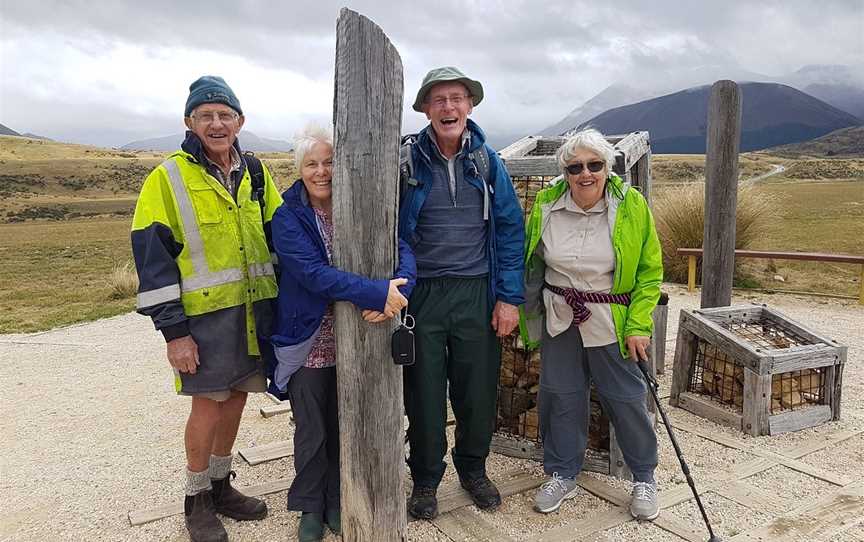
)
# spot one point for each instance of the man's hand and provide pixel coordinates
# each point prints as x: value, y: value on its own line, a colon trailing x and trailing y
x: 183, y: 354
x: 374, y: 317
x: 505, y: 318
x: 638, y: 345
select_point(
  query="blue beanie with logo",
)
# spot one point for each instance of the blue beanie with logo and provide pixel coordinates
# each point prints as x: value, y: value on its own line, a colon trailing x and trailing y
x: 211, y: 89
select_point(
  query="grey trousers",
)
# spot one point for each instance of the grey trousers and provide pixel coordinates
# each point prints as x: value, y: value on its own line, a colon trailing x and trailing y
x: 564, y: 405
x: 314, y: 403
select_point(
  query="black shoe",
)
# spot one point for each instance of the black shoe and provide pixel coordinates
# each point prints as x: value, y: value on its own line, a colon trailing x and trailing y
x: 483, y: 492
x: 201, y: 520
x: 423, y: 503
x: 311, y: 528
x: 230, y: 502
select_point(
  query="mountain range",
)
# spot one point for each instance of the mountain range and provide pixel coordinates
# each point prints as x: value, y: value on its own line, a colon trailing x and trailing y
x: 839, y: 86
x: 771, y: 115
x: 248, y: 142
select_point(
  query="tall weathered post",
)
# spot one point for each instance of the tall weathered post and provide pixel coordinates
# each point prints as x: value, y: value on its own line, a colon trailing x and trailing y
x: 721, y: 193
x: 367, y: 117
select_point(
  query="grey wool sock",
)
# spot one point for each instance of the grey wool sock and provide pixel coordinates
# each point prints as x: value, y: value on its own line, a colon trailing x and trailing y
x: 196, y: 482
x: 220, y: 466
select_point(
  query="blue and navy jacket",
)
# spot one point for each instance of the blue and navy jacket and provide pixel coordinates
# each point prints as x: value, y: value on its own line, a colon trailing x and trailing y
x: 506, y: 239
x: 308, y: 282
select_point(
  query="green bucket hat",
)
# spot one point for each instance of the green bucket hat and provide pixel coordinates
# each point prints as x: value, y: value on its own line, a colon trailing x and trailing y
x: 442, y: 75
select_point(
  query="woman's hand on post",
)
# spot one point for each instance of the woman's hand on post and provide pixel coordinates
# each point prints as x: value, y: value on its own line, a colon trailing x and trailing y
x: 395, y: 300
x: 374, y: 317
x: 183, y: 354
x: 638, y: 345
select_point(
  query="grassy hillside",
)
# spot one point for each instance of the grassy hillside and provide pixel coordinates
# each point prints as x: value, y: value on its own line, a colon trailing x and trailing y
x: 65, y: 214
x: 843, y: 143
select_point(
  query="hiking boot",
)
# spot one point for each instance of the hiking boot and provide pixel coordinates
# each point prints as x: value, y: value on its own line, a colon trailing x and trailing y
x: 423, y: 504
x: 333, y: 519
x: 201, y: 520
x: 230, y: 502
x: 644, y: 503
x: 311, y: 528
x: 552, y: 493
x: 483, y: 492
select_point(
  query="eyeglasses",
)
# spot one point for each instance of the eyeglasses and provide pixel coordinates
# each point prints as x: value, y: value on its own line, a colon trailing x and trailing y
x: 225, y: 117
x: 455, y: 99
x: 594, y: 166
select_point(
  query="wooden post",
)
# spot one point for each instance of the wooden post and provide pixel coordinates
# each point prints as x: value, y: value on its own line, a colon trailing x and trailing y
x: 691, y: 273
x: 861, y: 287
x: 721, y: 193
x: 367, y: 117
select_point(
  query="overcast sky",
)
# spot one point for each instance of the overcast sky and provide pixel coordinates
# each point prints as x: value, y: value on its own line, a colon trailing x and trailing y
x: 111, y: 72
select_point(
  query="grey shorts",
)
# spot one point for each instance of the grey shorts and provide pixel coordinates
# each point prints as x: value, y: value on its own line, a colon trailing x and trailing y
x: 256, y: 383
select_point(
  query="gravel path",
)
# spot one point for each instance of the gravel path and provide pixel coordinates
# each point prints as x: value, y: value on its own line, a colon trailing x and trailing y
x: 91, y: 429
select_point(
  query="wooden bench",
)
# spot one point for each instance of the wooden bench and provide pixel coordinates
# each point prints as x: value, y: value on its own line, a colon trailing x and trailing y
x: 691, y: 254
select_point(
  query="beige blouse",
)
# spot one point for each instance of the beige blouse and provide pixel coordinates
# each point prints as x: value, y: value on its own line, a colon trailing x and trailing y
x: 577, y: 248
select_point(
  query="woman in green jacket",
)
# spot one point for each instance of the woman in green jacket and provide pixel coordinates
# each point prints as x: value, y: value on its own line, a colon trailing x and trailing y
x: 593, y: 274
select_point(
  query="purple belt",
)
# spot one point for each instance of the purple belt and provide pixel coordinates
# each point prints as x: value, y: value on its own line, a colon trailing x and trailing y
x: 577, y: 300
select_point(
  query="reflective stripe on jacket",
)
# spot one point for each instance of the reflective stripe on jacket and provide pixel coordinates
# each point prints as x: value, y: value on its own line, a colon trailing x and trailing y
x: 196, y: 249
x: 638, y: 261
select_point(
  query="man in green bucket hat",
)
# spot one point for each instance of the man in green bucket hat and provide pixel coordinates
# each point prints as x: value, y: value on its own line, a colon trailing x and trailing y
x: 460, y: 214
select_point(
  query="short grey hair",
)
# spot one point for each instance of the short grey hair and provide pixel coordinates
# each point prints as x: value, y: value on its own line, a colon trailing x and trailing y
x: 311, y: 134
x: 588, y: 139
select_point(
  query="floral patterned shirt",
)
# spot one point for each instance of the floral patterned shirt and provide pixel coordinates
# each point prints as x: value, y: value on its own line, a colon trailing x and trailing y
x: 323, y: 352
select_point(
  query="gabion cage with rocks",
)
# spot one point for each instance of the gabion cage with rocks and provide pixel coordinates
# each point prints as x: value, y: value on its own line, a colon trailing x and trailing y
x: 751, y: 368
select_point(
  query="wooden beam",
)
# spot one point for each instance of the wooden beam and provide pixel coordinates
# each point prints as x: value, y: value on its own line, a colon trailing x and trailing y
x: 818, y: 519
x: 546, y: 166
x: 269, y: 411
x: 706, y: 408
x: 633, y: 146
x: 775, y: 255
x: 721, y: 193
x: 461, y: 524
x: 367, y: 118
x: 519, y: 148
x: 452, y: 496
x: 255, y: 455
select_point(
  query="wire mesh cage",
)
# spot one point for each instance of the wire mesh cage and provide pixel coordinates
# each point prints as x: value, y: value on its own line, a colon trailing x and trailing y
x: 771, y: 373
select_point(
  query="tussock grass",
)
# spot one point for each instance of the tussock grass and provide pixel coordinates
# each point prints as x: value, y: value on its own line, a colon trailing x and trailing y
x: 123, y: 281
x: 680, y: 218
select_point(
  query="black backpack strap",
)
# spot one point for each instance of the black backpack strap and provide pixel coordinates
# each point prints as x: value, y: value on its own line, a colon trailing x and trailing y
x: 481, y: 160
x: 406, y: 164
x: 256, y: 172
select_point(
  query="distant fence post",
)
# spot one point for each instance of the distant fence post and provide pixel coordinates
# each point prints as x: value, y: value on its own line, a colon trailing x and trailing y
x: 367, y: 117
x: 721, y: 193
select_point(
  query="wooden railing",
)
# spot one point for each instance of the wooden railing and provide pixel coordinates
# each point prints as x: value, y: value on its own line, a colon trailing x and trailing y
x: 692, y: 253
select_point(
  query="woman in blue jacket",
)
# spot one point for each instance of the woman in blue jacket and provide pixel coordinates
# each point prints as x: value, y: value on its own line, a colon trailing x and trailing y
x: 304, y: 341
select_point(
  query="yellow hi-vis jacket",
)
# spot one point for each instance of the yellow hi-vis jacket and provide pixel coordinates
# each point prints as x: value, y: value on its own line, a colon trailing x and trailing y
x: 197, y: 250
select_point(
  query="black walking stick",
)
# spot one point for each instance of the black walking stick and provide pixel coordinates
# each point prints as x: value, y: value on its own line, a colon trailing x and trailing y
x: 653, y: 386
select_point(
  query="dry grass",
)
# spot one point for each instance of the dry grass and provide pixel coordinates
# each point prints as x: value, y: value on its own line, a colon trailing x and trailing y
x: 123, y: 281
x: 679, y: 214
x: 54, y: 273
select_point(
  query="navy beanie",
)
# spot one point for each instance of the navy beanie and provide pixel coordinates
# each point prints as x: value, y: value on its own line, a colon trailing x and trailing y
x: 211, y: 89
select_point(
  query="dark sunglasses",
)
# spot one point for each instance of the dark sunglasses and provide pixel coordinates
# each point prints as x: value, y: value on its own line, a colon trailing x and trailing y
x: 593, y: 167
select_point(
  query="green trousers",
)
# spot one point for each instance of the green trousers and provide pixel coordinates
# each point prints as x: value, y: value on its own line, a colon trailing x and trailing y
x: 455, y: 344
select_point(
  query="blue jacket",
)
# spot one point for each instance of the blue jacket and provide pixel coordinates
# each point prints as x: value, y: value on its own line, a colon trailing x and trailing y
x: 506, y: 238
x: 308, y: 283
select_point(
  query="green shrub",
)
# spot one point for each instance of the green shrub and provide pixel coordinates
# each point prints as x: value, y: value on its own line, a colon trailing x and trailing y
x: 679, y: 213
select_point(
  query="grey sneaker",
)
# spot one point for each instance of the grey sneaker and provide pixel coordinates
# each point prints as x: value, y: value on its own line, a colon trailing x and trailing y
x: 644, y: 503
x: 552, y: 493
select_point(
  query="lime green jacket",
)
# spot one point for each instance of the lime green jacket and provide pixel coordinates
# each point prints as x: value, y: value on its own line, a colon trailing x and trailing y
x: 638, y: 261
